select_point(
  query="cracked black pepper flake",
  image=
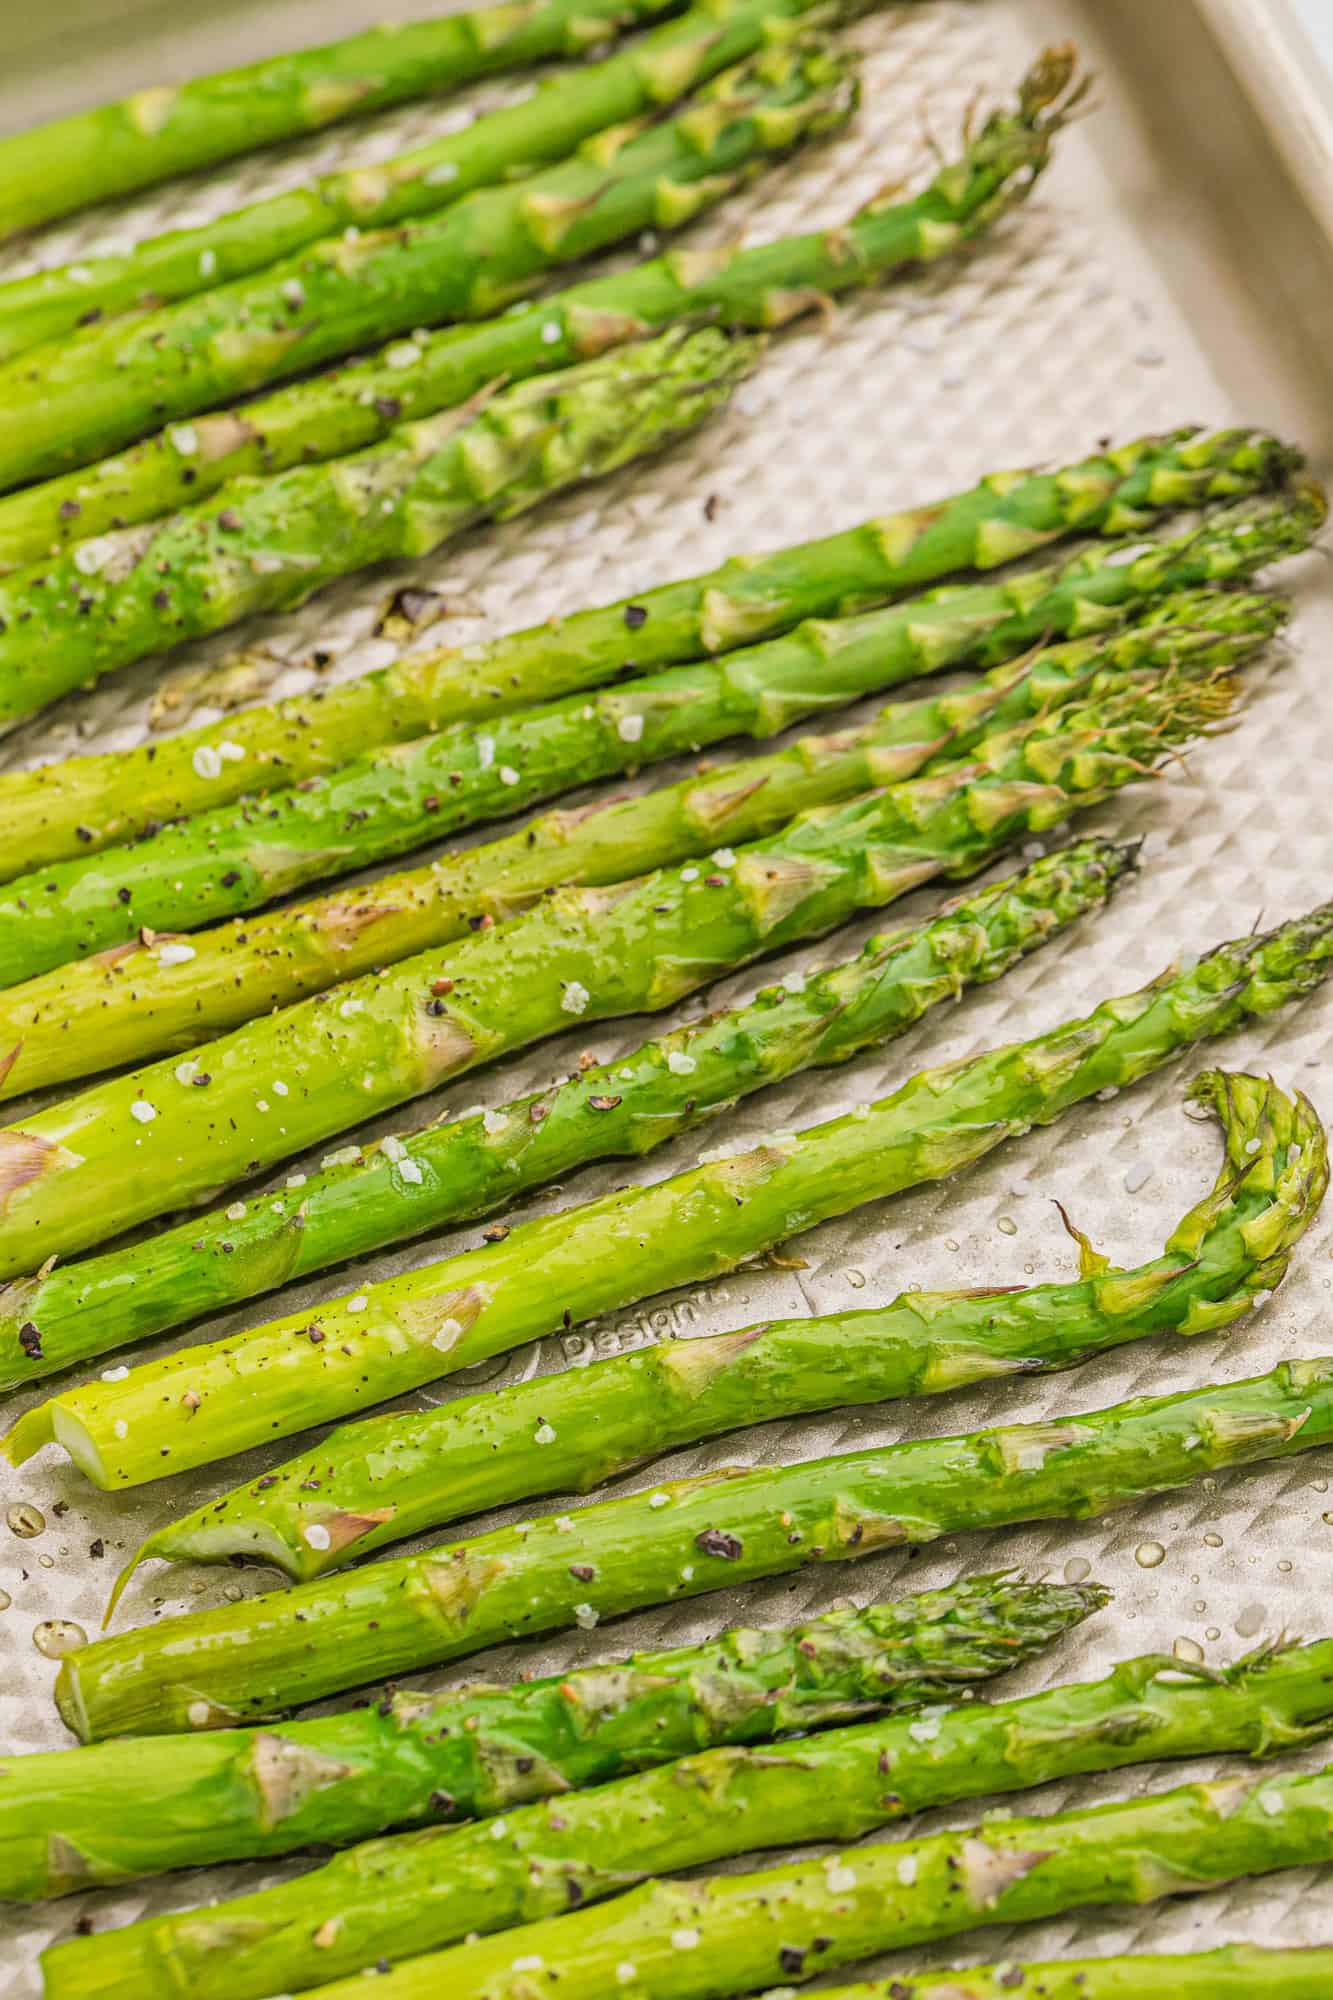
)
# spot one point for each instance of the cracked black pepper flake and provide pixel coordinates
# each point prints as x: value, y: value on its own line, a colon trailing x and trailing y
x: 791, y: 1959
x: 97, y: 1549
x: 30, y: 1340
x: 230, y: 521
x: 602, y: 1103
x: 717, y: 1542
x: 582, y: 1572
x: 496, y: 1233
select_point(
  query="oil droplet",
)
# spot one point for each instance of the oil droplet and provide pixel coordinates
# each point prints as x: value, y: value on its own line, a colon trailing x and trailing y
x: 1007, y: 1226
x: 198, y: 1587
x: 950, y: 1243
x: 5, y: 1600
x: 1078, y: 1569
x: 24, y: 1519
x: 1213, y: 1632
x: 1250, y: 1621
x: 1188, y: 1649
x: 232, y: 1592
x: 1215, y: 1541
x: 1149, y: 1554
x: 856, y: 1279
x: 1328, y: 1518
x: 1200, y: 1606
x: 1284, y: 1566
x: 47, y: 1562
x: 1320, y: 1485
x: 58, y: 1636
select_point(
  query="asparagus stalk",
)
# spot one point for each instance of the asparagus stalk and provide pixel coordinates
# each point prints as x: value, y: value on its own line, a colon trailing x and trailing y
x: 87, y: 802
x: 352, y: 407
x: 77, y: 399
x: 270, y: 543
x: 236, y: 858
x: 244, y: 1661
x: 1235, y: 1972
x: 407, y: 1895
x: 376, y: 1482
x: 546, y: 126
x: 628, y: 1107
x: 166, y: 994
x: 76, y: 1818
x: 172, y: 1131
x: 54, y: 169
x: 730, y: 1934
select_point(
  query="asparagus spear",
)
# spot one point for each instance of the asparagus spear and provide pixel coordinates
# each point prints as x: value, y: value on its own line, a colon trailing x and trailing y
x: 237, y: 858
x: 54, y: 169
x: 729, y: 1934
x: 375, y: 1482
x: 85, y: 802
x: 1235, y: 1972
x: 172, y: 1131
x: 545, y: 126
x: 169, y: 994
x: 72, y: 1819
x: 342, y: 411
x: 628, y: 1107
x: 270, y: 543
x: 75, y: 400
x: 401, y: 1897
x: 244, y: 1661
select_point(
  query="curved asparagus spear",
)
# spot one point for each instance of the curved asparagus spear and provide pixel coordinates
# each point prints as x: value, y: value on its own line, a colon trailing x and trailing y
x: 270, y: 543
x: 1235, y: 1972
x: 730, y: 1934
x: 457, y: 1168
x: 77, y: 399
x: 222, y: 863
x: 255, y: 1658
x: 545, y: 126
x: 400, y: 1897
x: 170, y: 994
x: 344, y: 410
x: 173, y: 1131
x: 71, y: 1819
x: 376, y: 1482
x: 82, y: 803
x: 53, y: 169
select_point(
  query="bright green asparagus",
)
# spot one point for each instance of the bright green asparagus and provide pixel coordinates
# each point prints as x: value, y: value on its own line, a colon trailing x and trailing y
x: 55, y: 169
x: 353, y: 406
x: 397, y: 1898
x: 86, y: 802
x: 265, y: 544
x: 126, y: 1150
x: 457, y: 1169
x: 730, y: 1934
x: 612, y: 1253
x: 71, y: 1819
x: 218, y: 864
x: 77, y: 399
x: 256, y: 1658
x: 379, y: 1481
x: 545, y: 126
x: 150, y: 996
x: 1235, y: 1972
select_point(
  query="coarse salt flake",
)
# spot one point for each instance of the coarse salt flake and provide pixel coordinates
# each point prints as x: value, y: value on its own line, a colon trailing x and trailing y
x: 1270, y: 1803
x: 446, y: 1333
x: 544, y: 1434
x: 92, y: 557
x: 626, y: 1973
x: 198, y: 1715
x: 907, y: 1870
x: 231, y: 753
x: 485, y: 752
x: 584, y: 1617
x: 551, y: 332
x: 689, y: 874
x: 296, y: 1180
x: 575, y: 998
x: 208, y: 263
x: 279, y: 1088
x: 532, y: 1963
x: 508, y: 775
x: 680, y: 1064
x: 403, y: 354
x: 437, y: 176
x: 358, y: 1304
x: 115, y: 1374
x: 410, y: 1171
x: 923, y: 1732
x: 185, y: 440
x: 186, y: 1072
x: 685, y: 1939
x: 493, y: 1122
x: 236, y: 1211
x: 145, y: 1113
x: 316, y: 1535
x: 121, y: 1428
x: 206, y: 762
x: 793, y: 982
x: 841, y: 1880
x: 630, y: 728
x: 175, y: 954
x: 659, y: 1500
x: 393, y: 1148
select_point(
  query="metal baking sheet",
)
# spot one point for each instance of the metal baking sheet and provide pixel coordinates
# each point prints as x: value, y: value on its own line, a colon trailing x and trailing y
x: 1167, y: 271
